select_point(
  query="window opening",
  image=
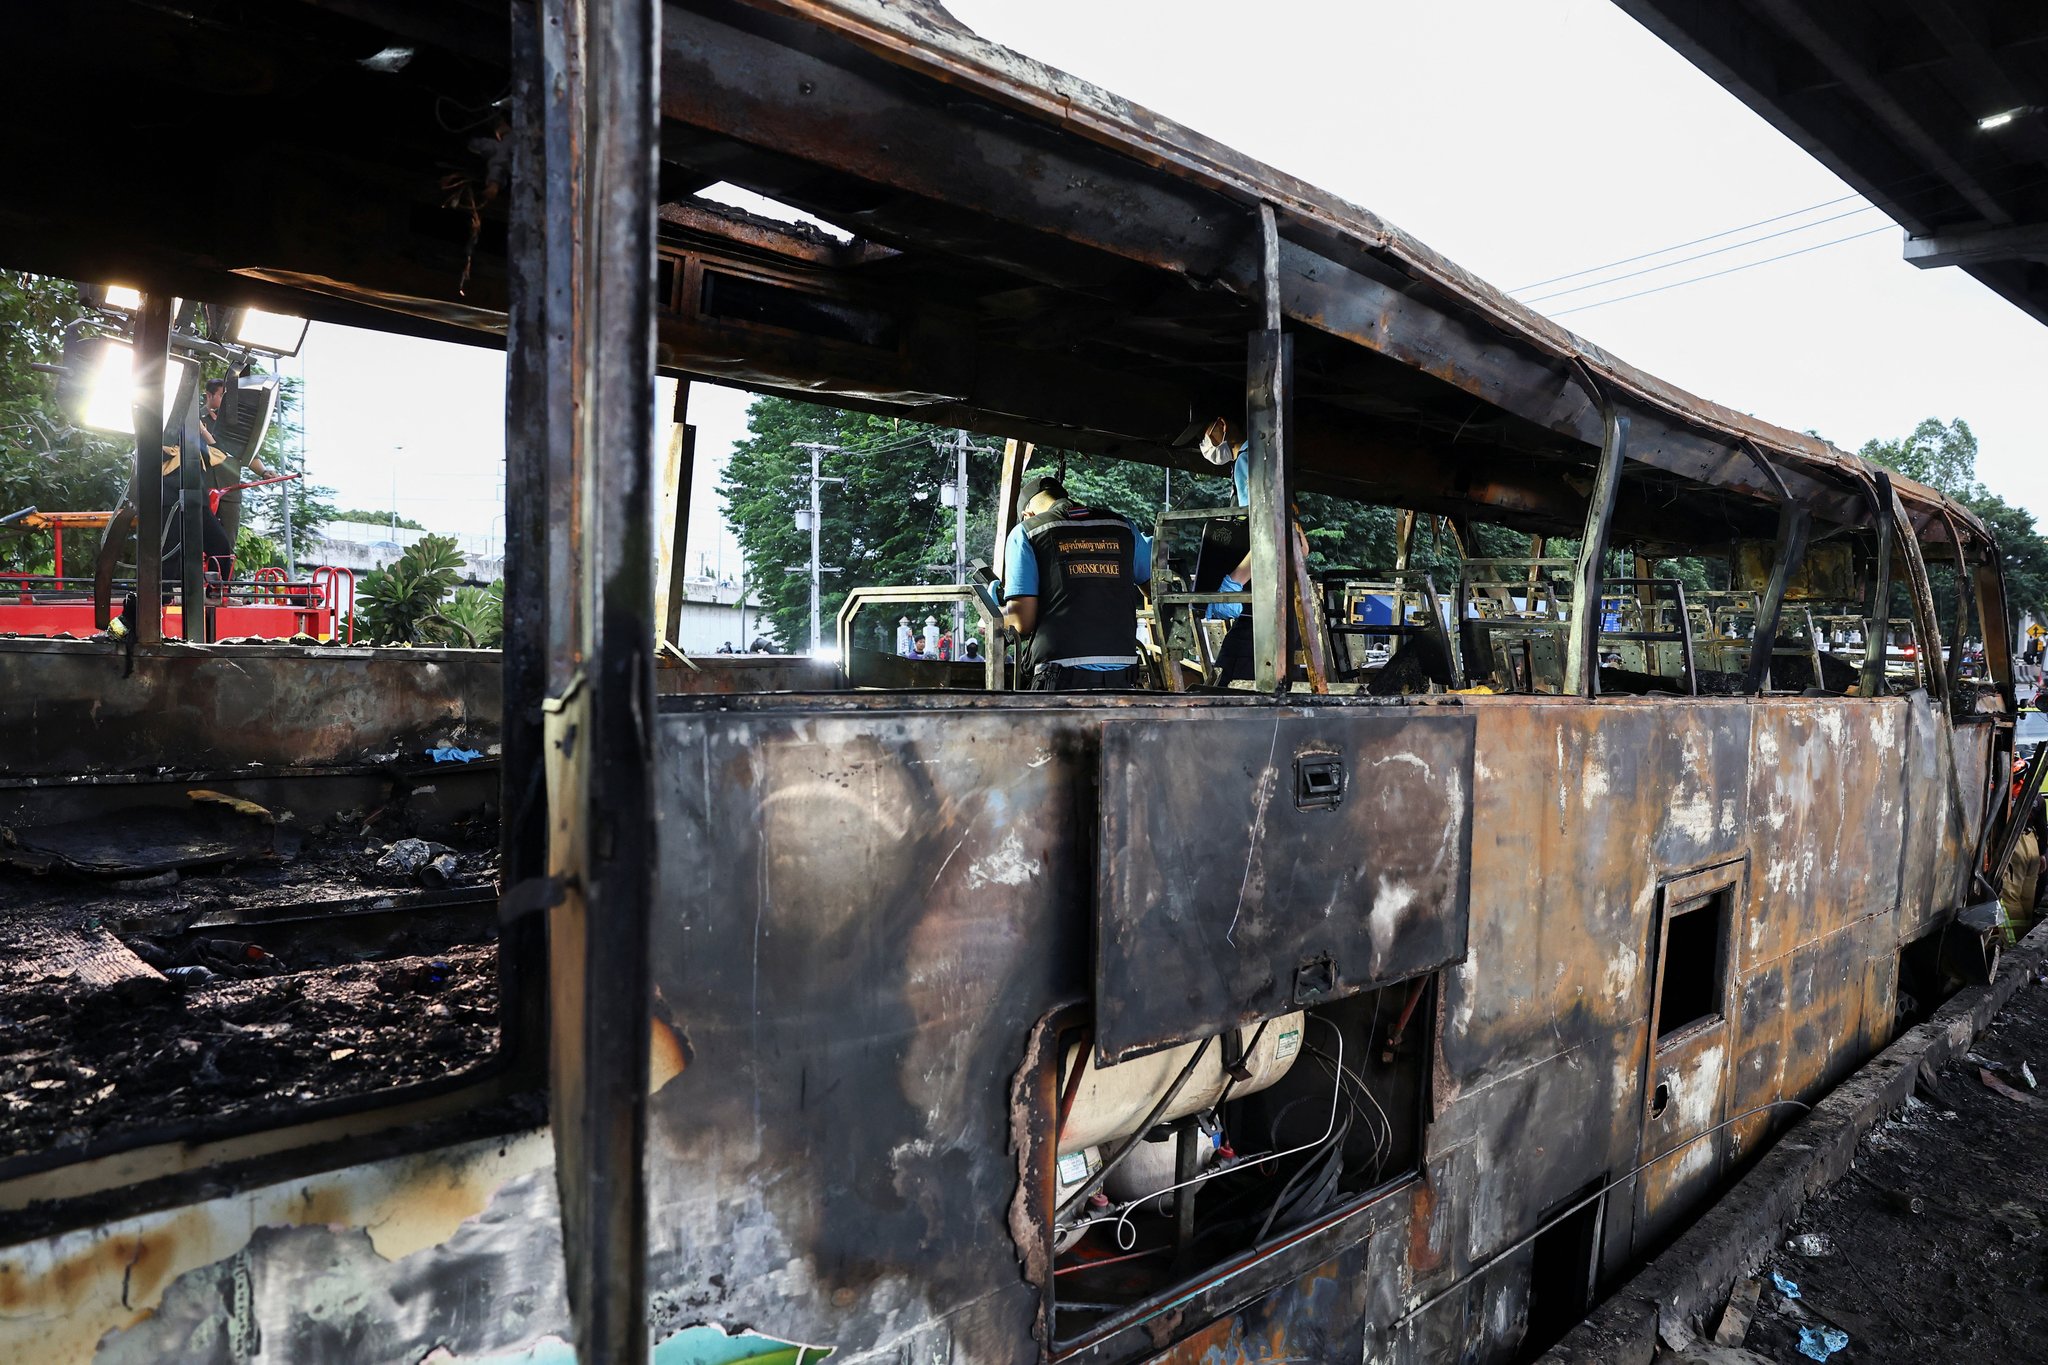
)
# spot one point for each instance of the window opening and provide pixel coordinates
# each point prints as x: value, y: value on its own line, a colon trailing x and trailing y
x: 1564, y: 1265
x: 267, y: 889
x: 1689, y: 969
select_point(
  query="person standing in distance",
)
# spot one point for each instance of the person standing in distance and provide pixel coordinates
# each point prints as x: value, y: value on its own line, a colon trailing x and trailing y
x: 1072, y: 586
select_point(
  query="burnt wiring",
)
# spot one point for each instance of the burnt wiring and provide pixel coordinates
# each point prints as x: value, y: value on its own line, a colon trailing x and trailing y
x: 1330, y: 1145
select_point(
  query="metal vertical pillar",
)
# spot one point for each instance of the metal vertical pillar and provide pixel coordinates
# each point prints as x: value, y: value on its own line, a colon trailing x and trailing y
x: 581, y: 370
x: 1269, y: 400
x: 536, y: 463
x: 192, y: 618
x: 291, y: 553
x: 1877, y: 625
x: 679, y: 473
x: 1016, y: 456
x: 816, y: 633
x: 1582, y: 667
x: 147, y: 363
x: 1795, y: 522
x: 959, y: 537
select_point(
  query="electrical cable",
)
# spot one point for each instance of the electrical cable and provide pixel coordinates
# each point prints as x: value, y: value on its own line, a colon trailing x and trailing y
x: 1680, y: 246
x: 1251, y: 1050
x: 1733, y: 269
x: 1884, y: 204
x: 1382, y: 1138
x: 1699, y: 256
x: 1123, y: 1213
x: 1881, y: 200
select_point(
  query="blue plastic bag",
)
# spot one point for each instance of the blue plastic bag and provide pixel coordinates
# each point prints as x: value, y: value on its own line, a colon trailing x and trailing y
x: 453, y: 755
x: 1785, y: 1286
x: 1818, y: 1343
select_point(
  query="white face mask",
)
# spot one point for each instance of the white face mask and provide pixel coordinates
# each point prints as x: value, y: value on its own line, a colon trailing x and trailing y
x: 1216, y: 447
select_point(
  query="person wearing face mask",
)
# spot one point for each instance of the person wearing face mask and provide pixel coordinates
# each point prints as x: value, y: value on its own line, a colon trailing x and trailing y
x: 1224, y: 442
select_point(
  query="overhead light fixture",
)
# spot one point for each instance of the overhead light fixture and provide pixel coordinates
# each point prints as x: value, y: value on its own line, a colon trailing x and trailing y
x: 2003, y: 117
x: 272, y: 333
x: 122, y: 297
x: 110, y: 389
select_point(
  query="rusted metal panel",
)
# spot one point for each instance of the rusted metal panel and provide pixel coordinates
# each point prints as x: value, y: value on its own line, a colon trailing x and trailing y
x: 67, y: 709
x: 1930, y: 821
x: 1320, y: 1316
x: 743, y: 675
x: 454, y: 1249
x: 880, y: 905
x: 868, y: 903
x: 1232, y: 887
x: 1822, y: 840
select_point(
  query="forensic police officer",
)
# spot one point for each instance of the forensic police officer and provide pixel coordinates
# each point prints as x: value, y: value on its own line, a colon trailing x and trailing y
x: 1071, y: 590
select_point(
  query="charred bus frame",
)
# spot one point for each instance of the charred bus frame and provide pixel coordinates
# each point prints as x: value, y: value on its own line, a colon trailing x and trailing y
x: 860, y: 1147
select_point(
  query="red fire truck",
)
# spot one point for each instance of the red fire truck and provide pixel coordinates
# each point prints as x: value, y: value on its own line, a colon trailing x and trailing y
x: 268, y: 605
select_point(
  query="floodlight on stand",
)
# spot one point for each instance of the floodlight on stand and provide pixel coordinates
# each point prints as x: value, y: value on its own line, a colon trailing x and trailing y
x: 272, y: 333
x: 122, y: 297
x: 110, y: 389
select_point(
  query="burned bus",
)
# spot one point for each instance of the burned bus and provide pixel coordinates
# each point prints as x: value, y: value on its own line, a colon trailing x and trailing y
x: 1392, y: 1004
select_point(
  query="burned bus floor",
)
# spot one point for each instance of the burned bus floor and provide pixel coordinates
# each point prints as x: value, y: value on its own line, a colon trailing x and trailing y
x: 236, y: 991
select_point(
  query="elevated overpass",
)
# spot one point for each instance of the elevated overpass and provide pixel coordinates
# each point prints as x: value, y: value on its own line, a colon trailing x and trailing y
x: 1936, y: 110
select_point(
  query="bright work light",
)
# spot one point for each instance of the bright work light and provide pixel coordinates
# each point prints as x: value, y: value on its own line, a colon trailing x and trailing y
x: 273, y: 333
x: 2005, y: 116
x: 110, y: 389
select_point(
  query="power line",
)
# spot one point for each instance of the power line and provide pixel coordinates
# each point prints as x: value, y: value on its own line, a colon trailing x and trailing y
x: 1716, y: 274
x: 1699, y: 256
x: 1710, y: 237
x: 1883, y: 198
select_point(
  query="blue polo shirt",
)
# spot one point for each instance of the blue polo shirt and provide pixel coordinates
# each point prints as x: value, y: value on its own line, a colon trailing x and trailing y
x: 1020, y: 572
x: 1241, y: 479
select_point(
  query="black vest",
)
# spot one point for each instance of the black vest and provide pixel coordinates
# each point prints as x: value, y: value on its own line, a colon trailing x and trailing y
x: 1087, y: 588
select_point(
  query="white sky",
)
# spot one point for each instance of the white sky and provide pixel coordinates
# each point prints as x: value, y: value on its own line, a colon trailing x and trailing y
x: 1521, y: 138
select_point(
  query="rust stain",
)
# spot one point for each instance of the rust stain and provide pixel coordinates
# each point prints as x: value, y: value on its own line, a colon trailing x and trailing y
x: 665, y: 1056
x: 61, y: 1297
x: 1423, y: 1255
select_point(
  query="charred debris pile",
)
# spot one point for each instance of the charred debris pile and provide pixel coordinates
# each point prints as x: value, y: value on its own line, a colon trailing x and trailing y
x: 169, y: 964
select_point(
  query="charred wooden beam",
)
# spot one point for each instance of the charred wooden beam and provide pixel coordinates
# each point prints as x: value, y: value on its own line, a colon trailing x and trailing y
x: 588, y: 264
x: 152, y: 349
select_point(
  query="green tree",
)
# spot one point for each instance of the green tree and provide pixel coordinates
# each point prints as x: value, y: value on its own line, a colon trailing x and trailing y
x: 284, y: 452
x: 400, y: 603
x: 884, y: 525
x: 473, y: 618
x: 369, y: 518
x: 2025, y: 552
x: 253, y: 551
x: 45, y: 460
x: 1944, y: 457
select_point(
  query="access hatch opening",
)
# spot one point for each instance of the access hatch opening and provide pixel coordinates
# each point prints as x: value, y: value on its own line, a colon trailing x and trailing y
x: 1170, y: 1165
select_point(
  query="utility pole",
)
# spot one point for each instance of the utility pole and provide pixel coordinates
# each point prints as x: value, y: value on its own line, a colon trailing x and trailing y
x: 291, y: 551
x: 959, y: 537
x: 813, y: 522
x: 291, y: 556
